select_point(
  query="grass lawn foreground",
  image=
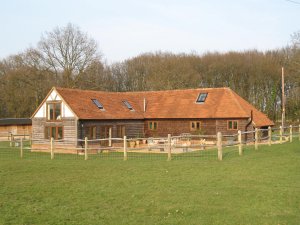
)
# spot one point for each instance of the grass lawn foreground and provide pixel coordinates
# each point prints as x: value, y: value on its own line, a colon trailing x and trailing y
x: 261, y: 187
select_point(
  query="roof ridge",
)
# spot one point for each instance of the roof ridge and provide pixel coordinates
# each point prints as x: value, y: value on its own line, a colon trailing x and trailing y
x: 218, y: 104
x: 237, y: 102
x: 134, y: 92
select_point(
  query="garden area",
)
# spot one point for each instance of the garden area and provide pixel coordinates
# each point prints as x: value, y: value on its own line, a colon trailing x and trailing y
x: 261, y: 187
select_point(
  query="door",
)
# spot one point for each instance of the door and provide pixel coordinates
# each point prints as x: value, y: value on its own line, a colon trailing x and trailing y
x: 105, y: 133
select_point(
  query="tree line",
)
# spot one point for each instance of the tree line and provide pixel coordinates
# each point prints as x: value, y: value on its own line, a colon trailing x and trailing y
x: 68, y: 57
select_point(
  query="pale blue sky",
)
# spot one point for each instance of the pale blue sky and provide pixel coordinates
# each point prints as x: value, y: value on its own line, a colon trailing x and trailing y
x: 124, y: 29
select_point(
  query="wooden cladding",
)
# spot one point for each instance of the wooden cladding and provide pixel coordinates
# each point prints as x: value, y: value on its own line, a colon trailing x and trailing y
x: 53, y: 111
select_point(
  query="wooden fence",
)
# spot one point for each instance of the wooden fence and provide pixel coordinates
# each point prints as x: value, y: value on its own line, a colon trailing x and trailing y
x: 185, y: 145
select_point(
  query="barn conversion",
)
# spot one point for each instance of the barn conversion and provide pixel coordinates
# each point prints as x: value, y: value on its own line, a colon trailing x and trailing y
x: 71, y: 114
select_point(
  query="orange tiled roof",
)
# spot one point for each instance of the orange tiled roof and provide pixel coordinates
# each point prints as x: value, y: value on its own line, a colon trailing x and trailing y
x: 173, y: 104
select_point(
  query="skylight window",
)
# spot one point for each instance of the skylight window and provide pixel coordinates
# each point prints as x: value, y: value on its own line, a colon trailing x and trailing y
x: 127, y: 104
x: 201, y: 98
x: 98, y: 104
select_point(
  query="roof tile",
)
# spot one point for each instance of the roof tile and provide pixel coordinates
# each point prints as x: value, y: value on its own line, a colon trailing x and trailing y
x: 220, y: 103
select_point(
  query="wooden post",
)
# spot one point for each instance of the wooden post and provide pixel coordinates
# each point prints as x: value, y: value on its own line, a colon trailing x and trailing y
x: 21, y: 148
x: 109, y: 137
x: 125, y: 148
x: 52, y: 148
x: 256, y: 139
x: 291, y: 133
x: 11, y: 139
x: 85, y: 148
x: 219, y: 145
x: 280, y: 134
x: 270, y: 135
x: 282, y: 98
x: 169, y: 147
x: 240, y: 142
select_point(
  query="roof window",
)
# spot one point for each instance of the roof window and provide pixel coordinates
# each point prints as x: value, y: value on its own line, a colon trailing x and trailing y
x: 127, y: 104
x: 201, y: 98
x: 98, y: 104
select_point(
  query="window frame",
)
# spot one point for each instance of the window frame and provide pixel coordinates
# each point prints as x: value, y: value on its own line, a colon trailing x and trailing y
x: 195, y: 122
x: 232, y: 121
x: 98, y: 104
x: 199, y: 97
x: 128, y: 105
x: 56, y: 132
x: 54, y: 103
x: 153, y: 126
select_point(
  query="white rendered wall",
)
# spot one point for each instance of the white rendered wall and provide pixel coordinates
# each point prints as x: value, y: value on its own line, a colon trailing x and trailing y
x: 65, y: 110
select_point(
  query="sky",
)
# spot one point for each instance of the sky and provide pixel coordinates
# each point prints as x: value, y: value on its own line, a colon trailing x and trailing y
x: 125, y: 29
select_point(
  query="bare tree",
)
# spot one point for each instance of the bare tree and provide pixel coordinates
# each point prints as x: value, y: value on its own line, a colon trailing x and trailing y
x: 295, y: 39
x: 68, y: 51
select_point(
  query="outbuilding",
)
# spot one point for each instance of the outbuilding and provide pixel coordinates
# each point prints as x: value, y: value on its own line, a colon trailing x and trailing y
x: 15, y: 126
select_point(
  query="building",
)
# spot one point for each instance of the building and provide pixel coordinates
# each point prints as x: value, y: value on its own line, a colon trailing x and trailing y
x: 14, y: 126
x: 71, y: 114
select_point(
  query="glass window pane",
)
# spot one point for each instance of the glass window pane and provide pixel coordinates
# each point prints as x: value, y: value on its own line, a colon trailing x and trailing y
x: 127, y: 104
x: 202, y: 97
x: 94, y: 132
x: 198, y: 125
x: 50, y: 111
x: 230, y: 125
x: 53, y: 132
x: 59, y: 132
x: 121, y: 131
x: 150, y: 125
x: 98, y: 104
x: 47, y: 132
x: 235, y: 125
x: 155, y: 125
x: 58, y: 111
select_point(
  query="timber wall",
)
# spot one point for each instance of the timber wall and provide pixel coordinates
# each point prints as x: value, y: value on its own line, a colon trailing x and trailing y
x: 69, y: 130
x: 133, y: 128
x: 179, y: 126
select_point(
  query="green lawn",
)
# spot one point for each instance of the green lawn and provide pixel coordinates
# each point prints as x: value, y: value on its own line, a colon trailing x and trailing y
x: 261, y: 187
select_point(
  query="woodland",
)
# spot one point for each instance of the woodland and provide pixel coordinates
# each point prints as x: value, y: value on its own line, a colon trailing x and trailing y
x: 68, y: 57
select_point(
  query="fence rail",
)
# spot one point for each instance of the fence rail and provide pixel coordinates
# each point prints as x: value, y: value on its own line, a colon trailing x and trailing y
x: 171, y: 147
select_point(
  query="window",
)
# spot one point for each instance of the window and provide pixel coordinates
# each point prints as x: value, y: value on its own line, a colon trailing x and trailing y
x: 127, y: 104
x: 92, y: 132
x: 53, y: 111
x: 97, y: 103
x: 201, y: 97
x: 120, y: 131
x: 232, y: 125
x: 195, y: 125
x: 152, y: 125
x: 54, y: 132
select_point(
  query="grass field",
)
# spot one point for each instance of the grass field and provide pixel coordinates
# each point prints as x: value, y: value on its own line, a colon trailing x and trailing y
x: 261, y: 187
